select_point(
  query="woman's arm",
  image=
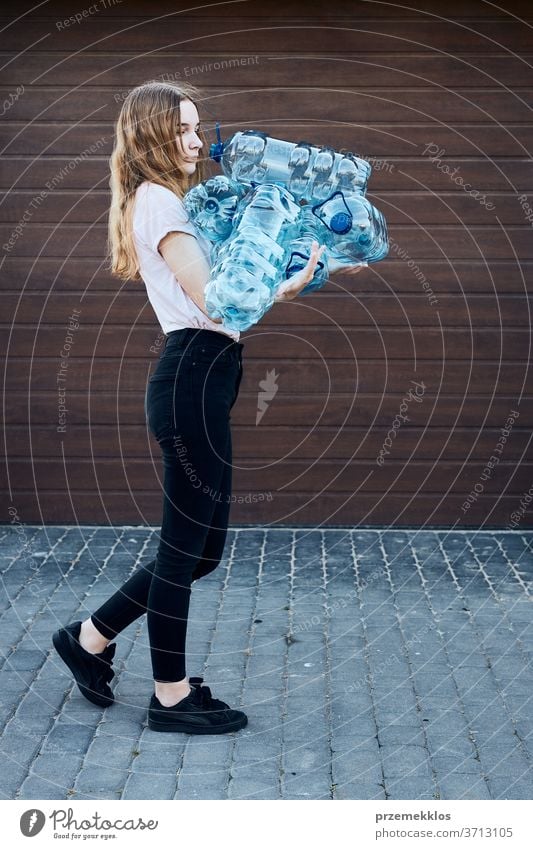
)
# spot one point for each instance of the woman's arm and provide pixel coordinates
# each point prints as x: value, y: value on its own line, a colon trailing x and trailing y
x: 185, y: 258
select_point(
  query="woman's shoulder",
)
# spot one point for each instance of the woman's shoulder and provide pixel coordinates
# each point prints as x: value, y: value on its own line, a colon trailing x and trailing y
x: 155, y: 191
x: 153, y: 197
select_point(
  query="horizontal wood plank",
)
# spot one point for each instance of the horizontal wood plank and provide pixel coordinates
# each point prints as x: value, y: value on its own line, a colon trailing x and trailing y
x: 307, y: 476
x: 461, y: 277
x: 409, y: 242
x: 215, y: 68
x: 406, y: 207
x: 46, y: 174
x: 282, y: 8
x: 316, y: 34
x: 392, y: 511
x: 359, y: 409
x: 444, y: 443
x: 373, y: 141
x: 247, y: 107
x: 318, y: 344
x: 338, y: 304
x: 129, y: 373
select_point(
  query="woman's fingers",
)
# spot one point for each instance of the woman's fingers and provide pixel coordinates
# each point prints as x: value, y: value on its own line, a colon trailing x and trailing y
x: 349, y: 269
x: 294, y: 285
x: 312, y: 262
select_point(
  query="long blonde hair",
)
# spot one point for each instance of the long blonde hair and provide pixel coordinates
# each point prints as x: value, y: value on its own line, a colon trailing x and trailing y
x: 146, y: 149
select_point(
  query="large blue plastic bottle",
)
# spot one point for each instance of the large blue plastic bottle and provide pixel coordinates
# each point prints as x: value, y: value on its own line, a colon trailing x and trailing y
x: 249, y: 266
x: 310, y: 173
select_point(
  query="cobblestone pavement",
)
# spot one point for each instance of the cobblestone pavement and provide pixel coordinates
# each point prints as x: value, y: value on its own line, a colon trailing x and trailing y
x: 372, y: 665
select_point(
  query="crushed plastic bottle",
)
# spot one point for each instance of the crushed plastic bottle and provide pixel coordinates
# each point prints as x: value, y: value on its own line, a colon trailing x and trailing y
x: 310, y: 229
x: 250, y: 264
x: 309, y: 172
x: 212, y: 206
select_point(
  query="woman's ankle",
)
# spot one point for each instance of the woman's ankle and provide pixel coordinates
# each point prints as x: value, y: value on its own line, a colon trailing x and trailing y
x: 170, y: 692
x: 91, y: 639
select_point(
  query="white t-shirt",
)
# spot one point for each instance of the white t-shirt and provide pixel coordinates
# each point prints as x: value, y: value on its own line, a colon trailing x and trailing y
x: 158, y: 211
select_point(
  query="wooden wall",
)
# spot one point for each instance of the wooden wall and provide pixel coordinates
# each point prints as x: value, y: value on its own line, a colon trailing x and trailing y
x: 397, y: 84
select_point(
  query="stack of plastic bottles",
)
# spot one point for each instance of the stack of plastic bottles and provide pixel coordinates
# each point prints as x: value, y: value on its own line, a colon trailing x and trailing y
x: 262, y: 215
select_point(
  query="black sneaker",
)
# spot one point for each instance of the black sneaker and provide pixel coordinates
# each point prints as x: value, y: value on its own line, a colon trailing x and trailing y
x: 91, y: 671
x: 216, y: 704
x: 197, y: 713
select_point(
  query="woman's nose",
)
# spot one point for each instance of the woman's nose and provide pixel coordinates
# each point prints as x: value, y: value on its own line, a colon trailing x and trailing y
x: 197, y: 142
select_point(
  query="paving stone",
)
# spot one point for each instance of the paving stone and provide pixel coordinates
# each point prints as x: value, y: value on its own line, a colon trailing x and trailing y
x: 357, y: 764
x: 307, y: 759
x: 404, y: 760
x: 401, y: 735
x: 357, y: 789
x: 410, y: 787
x: 458, y: 746
x: 12, y: 775
x: 458, y: 786
x: 71, y: 737
x: 41, y: 788
x: 95, y: 779
x: 306, y: 785
x: 250, y: 789
x: 503, y: 758
x: 444, y: 763
x: 51, y: 773
x: 140, y: 786
x: 248, y: 782
x: 17, y: 747
x: 353, y: 728
x: 193, y: 786
x: 210, y: 753
x: 510, y: 787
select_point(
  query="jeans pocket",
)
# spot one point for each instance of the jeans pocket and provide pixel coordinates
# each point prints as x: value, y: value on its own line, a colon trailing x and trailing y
x: 170, y: 364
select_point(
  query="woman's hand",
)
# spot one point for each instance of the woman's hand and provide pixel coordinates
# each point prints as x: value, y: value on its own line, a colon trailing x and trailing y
x: 350, y: 270
x: 292, y: 287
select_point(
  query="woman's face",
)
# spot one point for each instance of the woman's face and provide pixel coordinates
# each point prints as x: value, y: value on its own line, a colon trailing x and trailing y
x: 188, y: 142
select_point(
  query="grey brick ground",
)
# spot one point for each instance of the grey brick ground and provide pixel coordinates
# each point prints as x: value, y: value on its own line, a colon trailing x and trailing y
x: 372, y: 665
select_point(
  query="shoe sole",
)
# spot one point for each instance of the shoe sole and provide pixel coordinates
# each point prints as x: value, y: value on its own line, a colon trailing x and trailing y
x: 62, y: 646
x: 236, y: 725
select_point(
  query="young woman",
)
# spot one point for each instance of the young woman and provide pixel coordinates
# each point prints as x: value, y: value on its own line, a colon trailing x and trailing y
x: 156, y: 159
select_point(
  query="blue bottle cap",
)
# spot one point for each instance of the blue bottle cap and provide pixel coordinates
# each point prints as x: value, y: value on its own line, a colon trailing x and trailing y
x: 217, y: 148
x: 341, y: 223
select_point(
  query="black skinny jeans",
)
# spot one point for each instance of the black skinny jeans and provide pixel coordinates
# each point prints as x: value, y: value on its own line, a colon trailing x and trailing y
x: 188, y: 403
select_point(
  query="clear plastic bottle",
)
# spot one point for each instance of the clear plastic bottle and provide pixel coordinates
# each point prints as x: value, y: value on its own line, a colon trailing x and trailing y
x: 310, y: 229
x: 309, y: 172
x: 354, y: 230
x: 212, y: 206
x: 250, y: 264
